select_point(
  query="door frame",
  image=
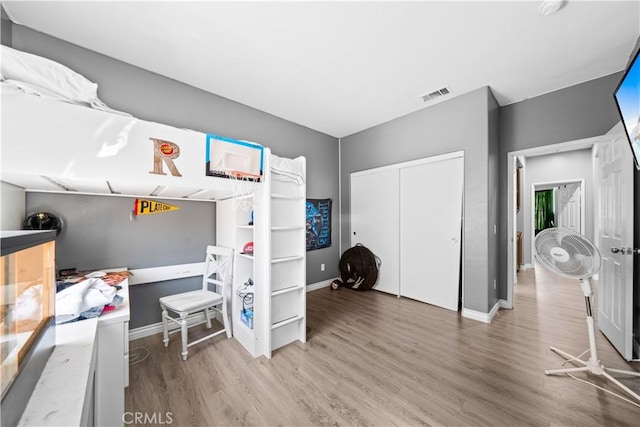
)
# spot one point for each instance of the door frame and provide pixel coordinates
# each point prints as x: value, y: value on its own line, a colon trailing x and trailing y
x: 578, y: 144
x: 539, y: 185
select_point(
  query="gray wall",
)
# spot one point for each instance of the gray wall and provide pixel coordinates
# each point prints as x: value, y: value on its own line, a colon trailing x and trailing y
x: 494, y: 206
x: 581, y: 111
x: 12, y: 206
x: 5, y: 29
x: 461, y: 123
x: 572, y: 165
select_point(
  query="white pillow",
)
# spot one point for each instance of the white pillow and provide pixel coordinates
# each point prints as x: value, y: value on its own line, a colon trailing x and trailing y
x: 47, y: 74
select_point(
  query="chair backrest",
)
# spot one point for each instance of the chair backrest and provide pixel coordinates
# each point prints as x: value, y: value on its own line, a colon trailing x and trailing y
x: 219, y: 262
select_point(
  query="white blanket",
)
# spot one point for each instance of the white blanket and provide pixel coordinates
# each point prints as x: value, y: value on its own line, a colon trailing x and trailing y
x: 288, y: 168
x: 39, y: 76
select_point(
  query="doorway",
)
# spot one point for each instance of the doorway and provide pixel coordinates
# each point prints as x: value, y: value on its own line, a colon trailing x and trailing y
x: 519, y: 196
x: 611, y: 188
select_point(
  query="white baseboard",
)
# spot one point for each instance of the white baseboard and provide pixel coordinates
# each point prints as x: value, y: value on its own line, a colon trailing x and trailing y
x: 526, y: 267
x: 320, y: 285
x: 504, y: 304
x: 479, y: 316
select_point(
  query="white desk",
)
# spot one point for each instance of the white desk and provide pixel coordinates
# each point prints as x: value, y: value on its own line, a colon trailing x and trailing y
x: 84, y: 379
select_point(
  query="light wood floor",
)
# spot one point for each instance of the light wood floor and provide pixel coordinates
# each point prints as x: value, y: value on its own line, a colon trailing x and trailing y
x: 373, y: 359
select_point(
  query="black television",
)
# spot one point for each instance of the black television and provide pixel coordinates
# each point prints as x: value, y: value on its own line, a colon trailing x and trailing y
x: 627, y: 96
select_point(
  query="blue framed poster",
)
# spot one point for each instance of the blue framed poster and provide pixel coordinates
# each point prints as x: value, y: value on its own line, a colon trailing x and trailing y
x: 318, y: 223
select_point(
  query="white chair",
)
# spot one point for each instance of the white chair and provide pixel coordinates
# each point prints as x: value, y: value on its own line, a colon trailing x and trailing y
x: 219, y: 262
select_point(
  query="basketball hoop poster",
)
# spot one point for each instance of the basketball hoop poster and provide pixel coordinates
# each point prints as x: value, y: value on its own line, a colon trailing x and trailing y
x: 318, y: 223
x: 146, y: 207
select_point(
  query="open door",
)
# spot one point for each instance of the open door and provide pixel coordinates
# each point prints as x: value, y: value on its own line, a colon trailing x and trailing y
x: 568, y: 206
x: 614, y: 167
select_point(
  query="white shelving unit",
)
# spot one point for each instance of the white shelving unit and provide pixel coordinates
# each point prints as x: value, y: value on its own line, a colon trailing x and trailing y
x: 277, y: 266
x: 233, y: 230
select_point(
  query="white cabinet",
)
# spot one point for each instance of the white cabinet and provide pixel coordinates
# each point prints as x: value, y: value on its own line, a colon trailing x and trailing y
x: 277, y: 267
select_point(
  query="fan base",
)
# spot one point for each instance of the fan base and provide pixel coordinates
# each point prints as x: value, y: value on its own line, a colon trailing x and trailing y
x: 594, y: 366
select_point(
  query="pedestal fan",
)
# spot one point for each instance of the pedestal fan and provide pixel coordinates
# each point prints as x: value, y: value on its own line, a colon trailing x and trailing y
x: 572, y: 255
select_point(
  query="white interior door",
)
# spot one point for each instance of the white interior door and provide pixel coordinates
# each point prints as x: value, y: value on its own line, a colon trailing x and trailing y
x: 375, y: 221
x: 568, y: 212
x: 430, y: 223
x: 615, y: 298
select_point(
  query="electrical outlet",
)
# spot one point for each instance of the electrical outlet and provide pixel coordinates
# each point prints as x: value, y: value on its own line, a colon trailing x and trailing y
x: 321, y: 267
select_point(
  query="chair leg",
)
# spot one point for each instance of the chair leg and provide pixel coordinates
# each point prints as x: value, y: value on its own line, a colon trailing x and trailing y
x: 184, y: 332
x: 225, y: 318
x: 207, y: 316
x: 165, y: 327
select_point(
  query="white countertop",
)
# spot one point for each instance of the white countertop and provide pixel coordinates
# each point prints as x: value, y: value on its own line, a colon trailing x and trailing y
x: 59, y: 396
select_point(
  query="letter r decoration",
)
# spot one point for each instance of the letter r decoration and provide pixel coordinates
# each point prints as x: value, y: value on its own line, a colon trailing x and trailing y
x: 165, y: 151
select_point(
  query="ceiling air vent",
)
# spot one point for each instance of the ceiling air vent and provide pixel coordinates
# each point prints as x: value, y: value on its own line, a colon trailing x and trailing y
x: 436, y: 94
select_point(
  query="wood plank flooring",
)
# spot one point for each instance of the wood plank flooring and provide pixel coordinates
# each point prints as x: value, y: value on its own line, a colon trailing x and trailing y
x: 373, y: 359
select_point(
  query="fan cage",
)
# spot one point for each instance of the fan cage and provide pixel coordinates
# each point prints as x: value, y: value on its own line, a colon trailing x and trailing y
x: 583, y: 256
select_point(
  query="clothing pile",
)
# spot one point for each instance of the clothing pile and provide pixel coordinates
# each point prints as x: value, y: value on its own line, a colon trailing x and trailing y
x: 85, y: 299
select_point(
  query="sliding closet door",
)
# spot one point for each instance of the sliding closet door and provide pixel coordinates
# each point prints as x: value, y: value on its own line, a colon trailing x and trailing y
x: 430, y: 236
x: 375, y: 221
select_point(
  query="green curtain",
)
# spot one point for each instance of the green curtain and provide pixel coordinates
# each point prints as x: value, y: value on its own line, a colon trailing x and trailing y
x: 545, y: 217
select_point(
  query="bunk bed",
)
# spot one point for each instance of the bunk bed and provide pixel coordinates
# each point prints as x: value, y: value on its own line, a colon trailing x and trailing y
x: 52, y: 145
x: 57, y: 136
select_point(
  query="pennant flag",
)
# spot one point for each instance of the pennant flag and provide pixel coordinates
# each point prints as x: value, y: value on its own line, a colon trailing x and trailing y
x: 145, y: 207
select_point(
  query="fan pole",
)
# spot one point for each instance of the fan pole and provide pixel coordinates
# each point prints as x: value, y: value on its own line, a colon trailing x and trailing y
x: 594, y: 365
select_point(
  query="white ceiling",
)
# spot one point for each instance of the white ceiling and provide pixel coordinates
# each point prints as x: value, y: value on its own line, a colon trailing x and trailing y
x: 342, y: 67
